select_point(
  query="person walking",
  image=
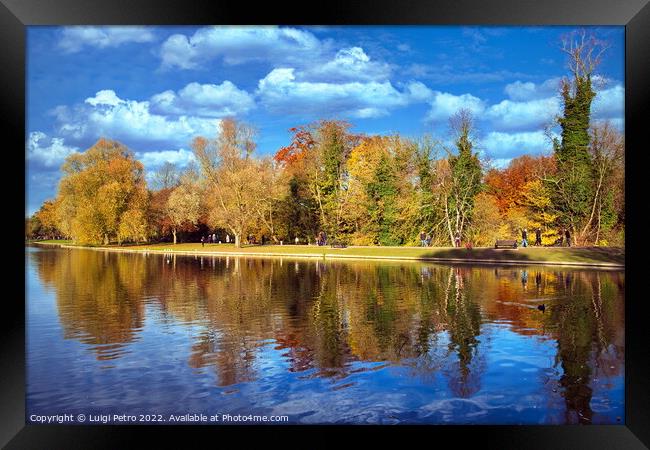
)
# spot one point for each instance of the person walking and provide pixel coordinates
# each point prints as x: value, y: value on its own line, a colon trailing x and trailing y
x: 227, y: 239
x: 538, y: 237
x: 457, y: 239
x: 567, y: 235
x: 524, y: 238
x: 202, y: 241
x: 297, y: 240
x: 423, y: 239
x: 428, y: 240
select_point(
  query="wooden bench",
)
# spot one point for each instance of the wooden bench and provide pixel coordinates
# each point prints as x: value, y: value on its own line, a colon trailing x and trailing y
x: 506, y: 243
x: 338, y: 244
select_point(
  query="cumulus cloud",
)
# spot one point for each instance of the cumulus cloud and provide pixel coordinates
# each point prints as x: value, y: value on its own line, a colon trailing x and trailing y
x: 105, y: 97
x: 610, y: 103
x: 315, y: 60
x: 524, y: 91
x: 349, y: 64
x: 48, y: 151
x: 510, y: 115
x: 444, y: 105
x: 130, y: 121
x: 500, y: 145
x: 74, y: 39
x: 206, y: 100
x: 239, y: 44
x: 280, y: 91
x: 154, y: 159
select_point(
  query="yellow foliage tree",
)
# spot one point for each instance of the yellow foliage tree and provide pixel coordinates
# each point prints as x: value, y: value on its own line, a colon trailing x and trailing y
x: 103, y: 195
x: 485, y: 227
x: 536, y: 198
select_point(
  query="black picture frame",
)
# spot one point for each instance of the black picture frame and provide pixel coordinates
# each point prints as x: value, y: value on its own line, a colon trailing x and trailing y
x: 16, y: 15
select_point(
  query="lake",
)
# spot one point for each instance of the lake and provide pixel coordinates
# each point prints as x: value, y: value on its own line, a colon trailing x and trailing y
x: 321, y: 341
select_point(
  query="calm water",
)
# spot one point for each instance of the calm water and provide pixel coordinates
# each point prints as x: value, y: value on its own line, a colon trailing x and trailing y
x: 322, y: 342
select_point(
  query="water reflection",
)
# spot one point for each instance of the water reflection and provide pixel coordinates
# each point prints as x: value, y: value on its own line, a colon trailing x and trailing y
x: 331, y: 320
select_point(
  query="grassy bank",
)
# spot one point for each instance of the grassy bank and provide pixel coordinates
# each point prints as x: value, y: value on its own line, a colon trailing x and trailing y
x: 597, y: 256
x: 49, y: 241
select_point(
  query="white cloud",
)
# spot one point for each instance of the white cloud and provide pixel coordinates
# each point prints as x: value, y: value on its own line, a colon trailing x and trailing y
x: 129, y: 121
x: 349, y: 64
x: 208, y: 100
x: 280, y: 91
x: 181, y: 158
x: 444, y: 105
x: 314, y: 60
x: 239, y: 44
x: 609, y: 103
x: 500, y: 145
x: 532, y: 105
x: 500, y: 163
x: 524, y: 91
x: 105, y: 97
x: 74, y: 39
x: 50, y: 152
x: 509, y: 115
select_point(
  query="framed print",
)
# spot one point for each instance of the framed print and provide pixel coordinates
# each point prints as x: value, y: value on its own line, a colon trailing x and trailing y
x: 372, y: 218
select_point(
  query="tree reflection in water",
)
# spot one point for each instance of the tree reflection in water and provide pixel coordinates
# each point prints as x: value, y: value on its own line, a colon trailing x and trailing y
x: 325, y: 316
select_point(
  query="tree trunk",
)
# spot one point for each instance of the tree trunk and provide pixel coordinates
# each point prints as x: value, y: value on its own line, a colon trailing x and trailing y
x: 237, y: 240
x: 174, y: 233
x: 106, y: 239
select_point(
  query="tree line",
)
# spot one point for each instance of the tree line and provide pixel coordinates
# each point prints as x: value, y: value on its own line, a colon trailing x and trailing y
x: 359, y: 189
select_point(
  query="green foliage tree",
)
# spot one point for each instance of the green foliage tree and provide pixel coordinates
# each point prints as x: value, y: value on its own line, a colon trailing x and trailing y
x: 463, y: 178
x: 573, y: 185
x: 328, y: 171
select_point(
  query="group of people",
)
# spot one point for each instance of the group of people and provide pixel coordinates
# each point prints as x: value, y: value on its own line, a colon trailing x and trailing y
x: 564, y: 234
x: 425, y: 239
x: 524, y: 237
x: 212, y: 239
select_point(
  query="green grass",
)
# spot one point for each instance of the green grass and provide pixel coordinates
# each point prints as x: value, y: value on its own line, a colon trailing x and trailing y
x: 591, y: 255
x: 50, y: 241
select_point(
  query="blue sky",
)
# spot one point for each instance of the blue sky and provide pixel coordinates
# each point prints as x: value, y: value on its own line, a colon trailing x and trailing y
x: 155, y: 88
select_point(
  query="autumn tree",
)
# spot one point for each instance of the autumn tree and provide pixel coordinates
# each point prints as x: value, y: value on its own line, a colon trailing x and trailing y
x: 523, y: 198
x: 166, y: 177
x: 506, y: 184
x: 298, y: 210
x: 380, y: 192
x: 316, y: 165
x: 43, y: 222
x: 607, y: 151
x: 327, y: 171
x: 486, y: 225
x: 183, y: 205
x: 539, y: 210
x: 234, y: 188
x: 103, y: 195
